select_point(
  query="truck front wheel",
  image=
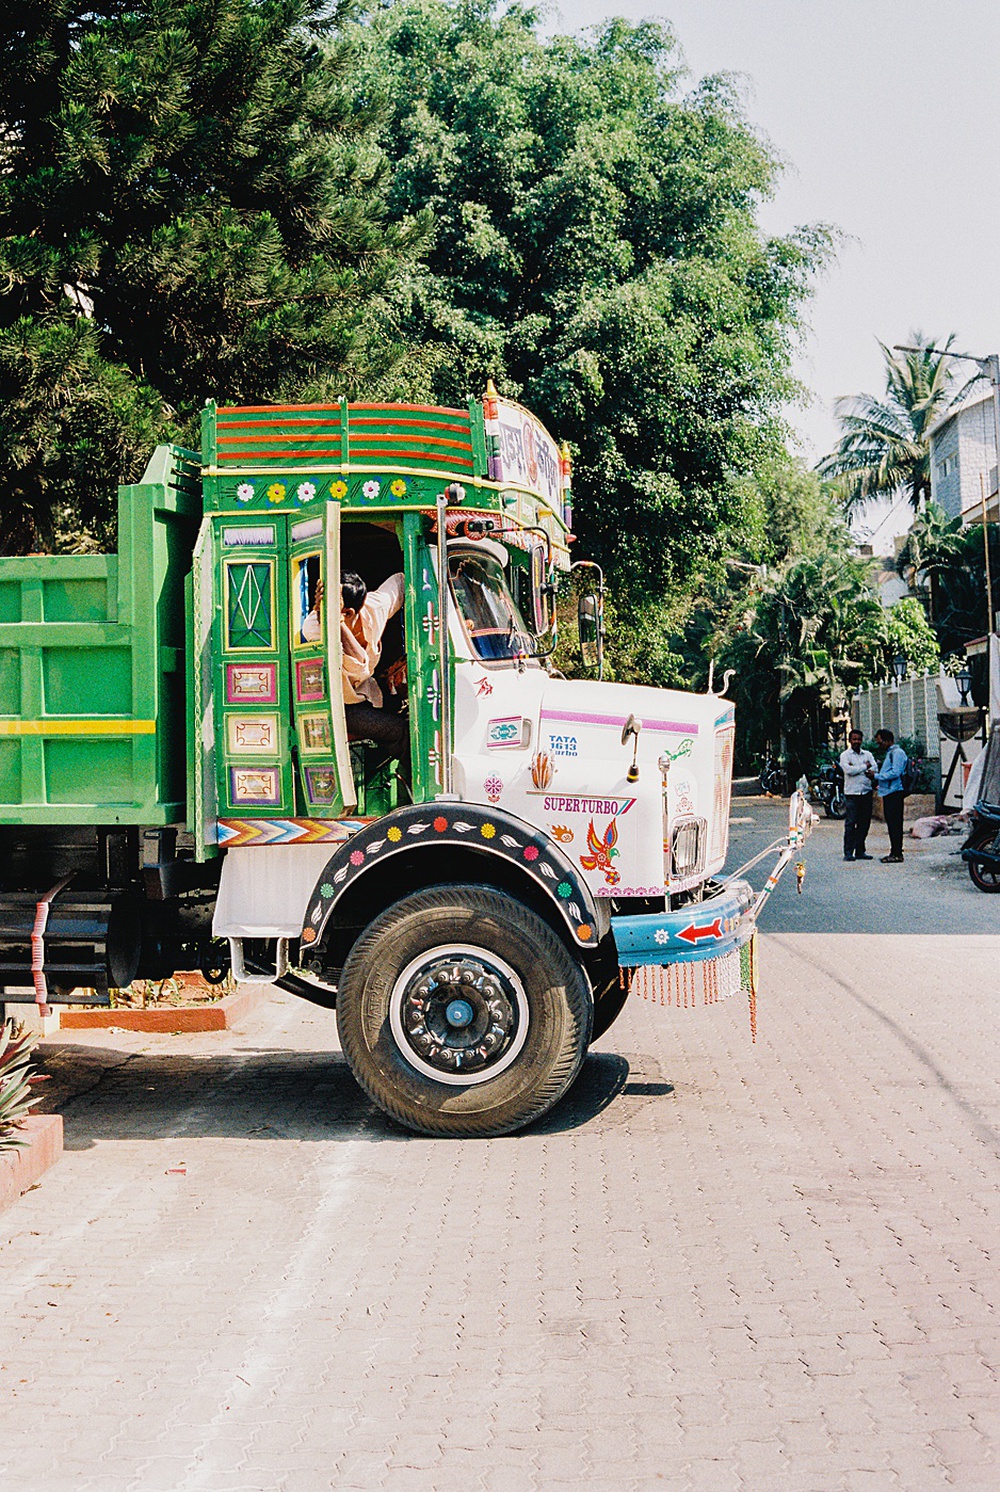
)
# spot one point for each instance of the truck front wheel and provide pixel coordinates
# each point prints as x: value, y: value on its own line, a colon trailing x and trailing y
x: 462, y: 1014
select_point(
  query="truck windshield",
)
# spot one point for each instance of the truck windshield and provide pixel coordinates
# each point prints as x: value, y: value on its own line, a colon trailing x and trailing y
x: 493, y: 623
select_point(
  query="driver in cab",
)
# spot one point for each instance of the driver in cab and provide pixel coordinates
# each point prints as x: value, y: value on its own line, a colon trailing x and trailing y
x: 363, y: 618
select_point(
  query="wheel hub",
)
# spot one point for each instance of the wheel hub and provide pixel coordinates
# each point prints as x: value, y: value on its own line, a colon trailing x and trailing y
x: 459, y: 1014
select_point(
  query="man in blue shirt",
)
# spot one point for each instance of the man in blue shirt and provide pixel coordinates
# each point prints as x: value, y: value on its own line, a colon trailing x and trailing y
x: 890, y: 787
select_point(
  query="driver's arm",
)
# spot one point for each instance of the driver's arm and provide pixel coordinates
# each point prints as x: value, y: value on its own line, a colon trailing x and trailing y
x: 381, y: 604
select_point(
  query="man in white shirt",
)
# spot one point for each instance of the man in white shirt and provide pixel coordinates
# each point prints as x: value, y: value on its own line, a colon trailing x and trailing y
x: 859, y: 771
x: 363, y: 618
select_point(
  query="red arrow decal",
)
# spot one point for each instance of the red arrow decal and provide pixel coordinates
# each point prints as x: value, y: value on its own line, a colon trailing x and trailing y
x: 692, y: 933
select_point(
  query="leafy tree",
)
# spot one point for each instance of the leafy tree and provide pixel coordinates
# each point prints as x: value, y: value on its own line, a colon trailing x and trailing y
x: 811, y: 634
x: 191, y: 205
x: 70, y: 421
x: 909, y: 633
x: 884, y: 448
x: 596, y: 251
x: 945, y: 562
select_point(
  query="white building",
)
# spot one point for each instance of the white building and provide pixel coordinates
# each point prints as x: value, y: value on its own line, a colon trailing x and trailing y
x: 964, y: 460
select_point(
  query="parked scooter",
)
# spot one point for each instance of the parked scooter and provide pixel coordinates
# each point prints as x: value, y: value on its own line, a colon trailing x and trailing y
x: 827, y: 787
x: 981, y: 850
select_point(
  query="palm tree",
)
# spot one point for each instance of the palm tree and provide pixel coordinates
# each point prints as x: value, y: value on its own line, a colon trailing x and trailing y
x: 884, y: 448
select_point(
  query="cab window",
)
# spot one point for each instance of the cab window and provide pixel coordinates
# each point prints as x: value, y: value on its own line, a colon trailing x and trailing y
x: 492, y: 620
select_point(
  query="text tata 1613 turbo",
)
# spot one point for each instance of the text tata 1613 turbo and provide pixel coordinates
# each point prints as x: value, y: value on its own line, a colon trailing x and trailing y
x: 179, y: 786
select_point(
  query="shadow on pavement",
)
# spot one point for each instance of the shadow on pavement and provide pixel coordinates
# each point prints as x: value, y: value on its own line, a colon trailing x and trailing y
x: 256, y: 1094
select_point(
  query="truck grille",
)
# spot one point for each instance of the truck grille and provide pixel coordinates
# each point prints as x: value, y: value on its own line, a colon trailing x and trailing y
x: 687, y: 848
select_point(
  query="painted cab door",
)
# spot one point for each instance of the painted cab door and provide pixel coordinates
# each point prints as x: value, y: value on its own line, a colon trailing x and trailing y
x: 325, y: 785
x: 255, y: 778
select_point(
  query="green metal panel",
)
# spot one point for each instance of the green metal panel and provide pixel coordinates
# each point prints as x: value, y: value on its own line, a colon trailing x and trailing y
x: 200, y: 616
x: 325, y: 780
x: 423, y: 659
x: 477, y: 430
x: 91, y: 665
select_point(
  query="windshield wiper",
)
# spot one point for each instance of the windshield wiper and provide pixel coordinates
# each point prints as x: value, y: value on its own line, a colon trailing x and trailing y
x: 523, y: 639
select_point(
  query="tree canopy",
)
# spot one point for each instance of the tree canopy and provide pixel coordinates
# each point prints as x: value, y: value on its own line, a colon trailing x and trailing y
x: 596, y: 251
x: 271, y: 199
x: 192, y: 205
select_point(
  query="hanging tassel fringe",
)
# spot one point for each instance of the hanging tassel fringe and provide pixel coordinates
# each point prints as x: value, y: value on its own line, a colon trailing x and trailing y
x: 685, y: 985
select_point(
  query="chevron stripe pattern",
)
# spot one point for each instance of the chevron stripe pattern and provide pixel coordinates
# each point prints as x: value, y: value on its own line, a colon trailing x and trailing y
x: 233, y: 832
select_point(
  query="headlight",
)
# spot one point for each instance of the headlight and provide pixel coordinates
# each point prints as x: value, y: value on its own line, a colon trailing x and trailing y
x: 687, y: 847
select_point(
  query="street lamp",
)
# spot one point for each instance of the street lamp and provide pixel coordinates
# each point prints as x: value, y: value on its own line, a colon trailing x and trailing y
x: 964, y: 681
x: 899, y: 667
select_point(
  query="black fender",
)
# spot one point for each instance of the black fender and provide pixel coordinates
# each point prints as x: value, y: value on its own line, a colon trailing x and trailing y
x: 492, y: 833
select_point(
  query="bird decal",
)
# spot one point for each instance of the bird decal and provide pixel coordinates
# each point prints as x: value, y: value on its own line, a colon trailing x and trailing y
x: 603, y: 852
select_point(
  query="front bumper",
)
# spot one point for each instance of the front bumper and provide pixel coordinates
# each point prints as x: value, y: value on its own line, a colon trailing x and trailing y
x: 703, y: 930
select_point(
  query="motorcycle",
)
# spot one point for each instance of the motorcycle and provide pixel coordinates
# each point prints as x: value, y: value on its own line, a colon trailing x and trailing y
x: 772, y: 777
x: 828, y: 788
x: 981, y: 850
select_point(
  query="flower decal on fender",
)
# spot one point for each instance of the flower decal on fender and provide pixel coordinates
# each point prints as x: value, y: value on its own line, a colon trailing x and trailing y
x: 244, y: 492
x: 371, y: 490
x: 276, y: 492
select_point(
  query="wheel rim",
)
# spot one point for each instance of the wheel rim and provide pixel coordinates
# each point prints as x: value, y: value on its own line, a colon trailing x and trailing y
x: 459, y: 1014
x: 986, y: 872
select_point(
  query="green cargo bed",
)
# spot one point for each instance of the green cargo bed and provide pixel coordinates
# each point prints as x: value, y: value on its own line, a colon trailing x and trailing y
x: 92, y: 665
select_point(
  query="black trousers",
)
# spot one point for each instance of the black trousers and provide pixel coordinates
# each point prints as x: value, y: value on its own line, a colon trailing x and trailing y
x: 857, y: 822
x: 892, y: 810
x: 365, y: 723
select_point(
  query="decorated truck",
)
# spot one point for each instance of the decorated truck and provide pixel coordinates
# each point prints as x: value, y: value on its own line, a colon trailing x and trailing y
x: 179, y: 788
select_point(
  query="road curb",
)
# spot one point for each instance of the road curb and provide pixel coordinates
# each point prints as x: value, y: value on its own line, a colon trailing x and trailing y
x: 224, y: 1015
x: 21, y: 1169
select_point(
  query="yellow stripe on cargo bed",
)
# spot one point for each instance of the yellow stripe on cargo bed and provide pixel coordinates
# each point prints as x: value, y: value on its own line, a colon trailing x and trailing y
x: 91, y: 727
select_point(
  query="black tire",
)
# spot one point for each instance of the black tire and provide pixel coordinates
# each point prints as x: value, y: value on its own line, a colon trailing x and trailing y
x: 837, y: 806
x: 522, y: 981
x: 984, y: 874
x: 608, y: 1006
x: 609, y: 995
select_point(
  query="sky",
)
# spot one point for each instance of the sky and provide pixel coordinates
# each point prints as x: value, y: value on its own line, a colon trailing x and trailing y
x: 886, y: 113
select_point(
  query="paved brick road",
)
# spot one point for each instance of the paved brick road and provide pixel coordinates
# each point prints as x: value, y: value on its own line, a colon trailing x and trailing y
x: 716, y: 1266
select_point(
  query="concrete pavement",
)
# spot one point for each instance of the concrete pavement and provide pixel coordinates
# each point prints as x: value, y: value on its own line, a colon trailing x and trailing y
x: 714, y: 1266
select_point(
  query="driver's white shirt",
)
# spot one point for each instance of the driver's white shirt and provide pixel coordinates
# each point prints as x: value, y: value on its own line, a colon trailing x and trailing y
x: 362, y: 645
x: 855, y: 765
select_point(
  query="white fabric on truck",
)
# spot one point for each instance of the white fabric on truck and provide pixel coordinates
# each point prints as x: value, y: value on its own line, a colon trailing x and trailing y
x: 265, y: 888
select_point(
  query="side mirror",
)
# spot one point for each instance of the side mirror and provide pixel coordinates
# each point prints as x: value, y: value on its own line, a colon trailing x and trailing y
x: 632, y: 727
x: 590, y: 625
